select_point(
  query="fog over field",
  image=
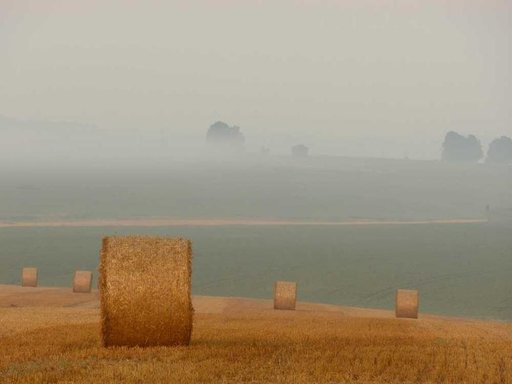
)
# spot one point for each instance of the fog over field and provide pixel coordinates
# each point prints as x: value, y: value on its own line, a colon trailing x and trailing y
x: 351, y: 78
x: 284, y: 126
x: 259, y: 187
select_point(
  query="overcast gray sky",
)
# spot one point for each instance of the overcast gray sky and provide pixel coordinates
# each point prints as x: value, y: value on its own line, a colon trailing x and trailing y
x: 347, y: 77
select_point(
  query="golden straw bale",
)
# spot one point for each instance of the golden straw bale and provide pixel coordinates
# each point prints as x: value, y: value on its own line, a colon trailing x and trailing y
x: 29, y: 277
x: 285, y: 295
x: 145, y: 290
x: 407, y: 302
x: 82, y: 282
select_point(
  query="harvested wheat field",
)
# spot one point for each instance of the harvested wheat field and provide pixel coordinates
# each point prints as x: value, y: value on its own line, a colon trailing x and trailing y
x: 237, y: 340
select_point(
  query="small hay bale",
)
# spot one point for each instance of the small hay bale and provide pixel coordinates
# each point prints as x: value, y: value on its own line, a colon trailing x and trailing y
x: 145, y: 286
x: 82, y: 282
x: 407, y: 302
x: 29, y: 277
x: 285, y: 295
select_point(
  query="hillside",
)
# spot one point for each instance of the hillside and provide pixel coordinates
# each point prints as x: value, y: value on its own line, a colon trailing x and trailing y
x: 52, y: 335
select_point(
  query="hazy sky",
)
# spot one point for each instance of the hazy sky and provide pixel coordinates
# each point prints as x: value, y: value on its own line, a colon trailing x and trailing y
x: 347, y: 77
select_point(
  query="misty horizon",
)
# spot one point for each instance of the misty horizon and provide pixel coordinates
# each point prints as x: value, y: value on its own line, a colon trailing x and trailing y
x: 23, y: 139
x: 385, y: 80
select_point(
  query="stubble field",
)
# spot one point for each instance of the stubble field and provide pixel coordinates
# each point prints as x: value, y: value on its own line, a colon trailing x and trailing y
x: 246, y: 341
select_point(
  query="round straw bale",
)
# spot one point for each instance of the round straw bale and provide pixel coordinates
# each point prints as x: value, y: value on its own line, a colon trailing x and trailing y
x: 82, y: 282
x: 145, y: 285
x: 285, y: 295
x: 29, y: 277
x: 407, y: 302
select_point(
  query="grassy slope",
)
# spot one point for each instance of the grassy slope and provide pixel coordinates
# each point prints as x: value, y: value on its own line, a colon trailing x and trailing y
x: 246, y: 341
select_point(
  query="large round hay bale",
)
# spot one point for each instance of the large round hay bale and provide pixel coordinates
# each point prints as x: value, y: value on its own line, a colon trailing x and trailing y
x: 145, y: 286
x: 285, y: 295
x: 29, y: 277
x: 82, y: 282
x: 407, y: 303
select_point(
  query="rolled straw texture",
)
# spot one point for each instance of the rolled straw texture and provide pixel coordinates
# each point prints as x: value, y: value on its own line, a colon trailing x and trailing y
x: 82, y: 282
x: 285, y: 295
x: 407, y: 303
x: 29, y: 277
x: 145, y: 291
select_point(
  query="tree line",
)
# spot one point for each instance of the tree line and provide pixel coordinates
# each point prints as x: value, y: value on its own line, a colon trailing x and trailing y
x: 456, y: 147
x: 468, y: 149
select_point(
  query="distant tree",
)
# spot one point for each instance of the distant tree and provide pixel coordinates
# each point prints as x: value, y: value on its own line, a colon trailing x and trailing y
x: 500, y: 151
x: 222, y: 134
x: 458, y: 148
x: 300, y: 150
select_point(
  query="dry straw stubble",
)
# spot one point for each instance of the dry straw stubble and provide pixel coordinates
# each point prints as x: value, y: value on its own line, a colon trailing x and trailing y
x: 407, y: 302
x: 285, y: 295
x: 82, y: 282
x: 29, y: 277
x: 145, y: 290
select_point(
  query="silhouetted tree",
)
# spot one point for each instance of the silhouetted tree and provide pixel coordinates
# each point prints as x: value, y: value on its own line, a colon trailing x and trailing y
x: 220, y: 133
x: 457, y: 148
x: 300, y: 150
x: 500, y: 151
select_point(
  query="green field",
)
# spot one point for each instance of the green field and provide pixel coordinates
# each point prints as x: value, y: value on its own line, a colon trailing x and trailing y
x: 461, y: 269
x: 309, y: 189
